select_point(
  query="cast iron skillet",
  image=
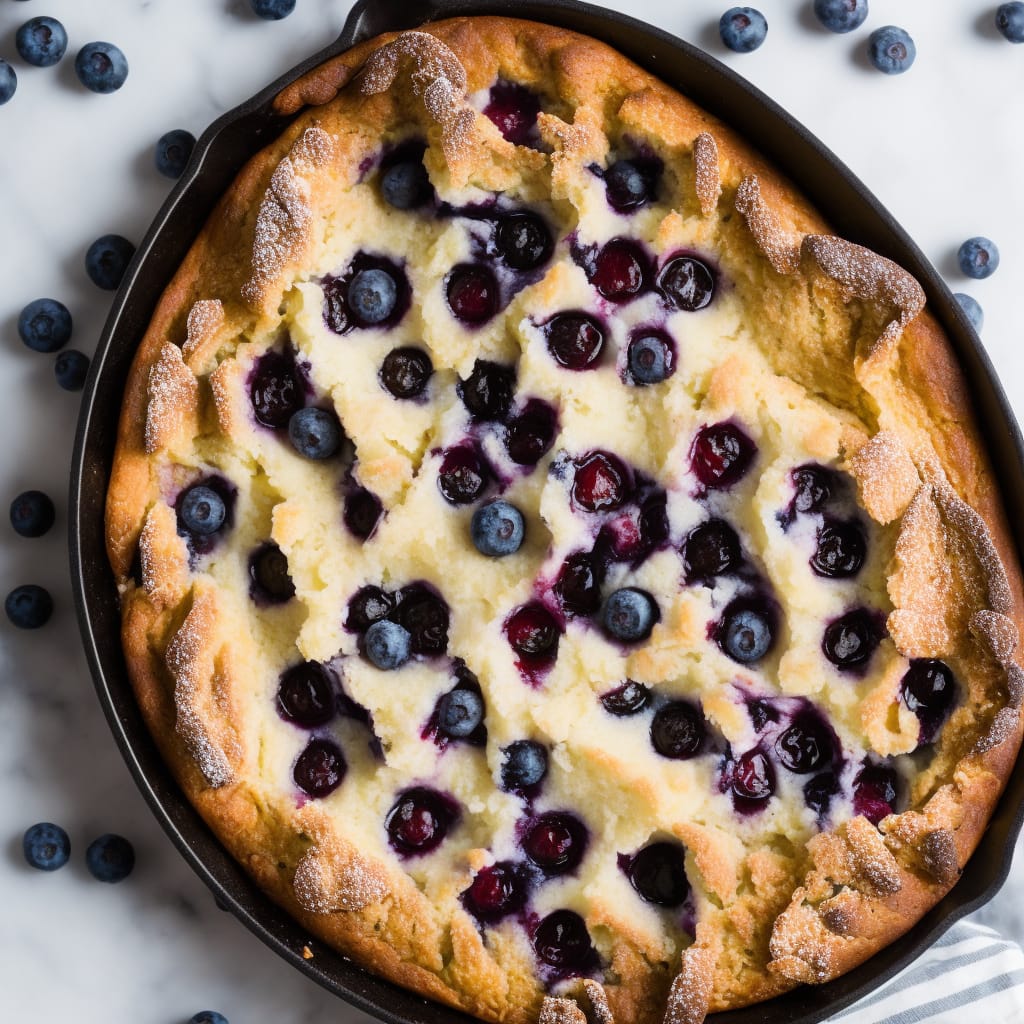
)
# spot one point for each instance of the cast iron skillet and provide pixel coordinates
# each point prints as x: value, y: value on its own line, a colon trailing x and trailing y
x: 847, y: 205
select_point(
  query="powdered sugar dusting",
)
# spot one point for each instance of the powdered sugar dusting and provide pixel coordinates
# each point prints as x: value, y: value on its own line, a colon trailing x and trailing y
x: 998, y: 633
x: 163, y: 557
x: 330, y: 878
x: 780, y: 246
x: 1004, y: 725
x: 939, y: 855
x: 173, y: 400
x: 600, y: 1011
x: 801, y: 946
x: 560, y: 1011
x: 205, y: 319
x: 708, y: 175
x: 690, y: 994
x: 872, y: 860
x: 886, y: 476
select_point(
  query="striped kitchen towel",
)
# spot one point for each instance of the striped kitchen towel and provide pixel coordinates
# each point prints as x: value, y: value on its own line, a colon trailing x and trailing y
x: 972, y: 974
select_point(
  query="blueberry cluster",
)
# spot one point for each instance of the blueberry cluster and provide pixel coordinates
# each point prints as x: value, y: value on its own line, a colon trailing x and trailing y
x: 109, y: 858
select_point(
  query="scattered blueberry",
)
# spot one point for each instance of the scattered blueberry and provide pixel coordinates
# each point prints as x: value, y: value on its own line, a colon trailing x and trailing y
x: 720, y: 455
x: 710, y: 549
x: 201, y: 510
x: 497, y: 529
x: 29, y: 606
x: 472, y: 293
x: 71, y: 368
x: 658, y: 874
x: 556, y: 842
x: 107, y: 259
x: 601, y: 483
x: 563, y: 942
x: 650, y: 358
x: 840, y: 551
x: 629, y: 615
x: 268, y: 571
x: 46, y: 846
x: 495, y: 891
x: 841, y: 15
x: 45, y: 325
x: 459, y: 713
x: 372, y: 295
x: 742, y: 29
x: 628, y: 699
x: 525, y: 765
x: 813, y: 486
x: 578, y: 585
x: 487, y: 391
x: 8, y: 82
x: 875, y: 792
x: 531, y: 433
x: 891, y: 50
x: 524, y: 241
x: 315, y: 433
x: 1010, y: 21
x: 746, y: 632
x: 620, y: 270
x: 306, y: 696
x: 972, y: 308
x: 533, y: 632
x: 852, y: 639
x: 320, y: 768
x: 819, y: 791
x: 208, y: 1017
x: 363, y: 510
x: 678, y: 730
x: 406, y: 371
x: 388, y: 645
x: 41, y: 42
x: 368, y: 605
x: 32, y: 514
x: 405, y: 185
x: 101, y: 67
x: 419, y: 820
x: 687, y: 283
x: 110, y: 858
x: 574, y: 340
x: 172, y: 153
x: 978, y: 257
x: 272, y: 10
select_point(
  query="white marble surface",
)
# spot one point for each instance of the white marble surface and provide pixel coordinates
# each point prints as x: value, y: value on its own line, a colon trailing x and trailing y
x: 942, y: 146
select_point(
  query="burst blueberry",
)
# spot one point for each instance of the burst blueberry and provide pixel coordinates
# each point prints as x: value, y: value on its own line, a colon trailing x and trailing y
x: 531, y: 433
x: 29, y: 606
x: 562, y: 941
x: 372, y: 296
x: 387, y: 645
x: 272, y: 10
x: 41, y: 42
x: 687, y: 283
x: 268, y: 572
x: 368, y: 605
x: 497, y: 529
x: 424, y: 613
x: 46, y: 846
x: 743, y: 29
x: 44, y: 325
x: 405, y: 185
x: 629, y: 615
x: 315, y: 433
x: 32, y: 514
x: 172, y: 152
x: 650, y: 358
x: 574, y: 340
x: 110, y: 858
x: 306, y: 696
x: 419, y: 820
x: 487, y: 391
x: 107, y: 259
x: 8, y: 82
x: 1010, y: 21
x: 363, y: 510
x: 891, y: 50
x: 101, y: 67
x: 472, y: 293
x: 978, y: 257
x: 841, y: 15
x: 578, y: 586
x: 70, y: 368
x: 626, y: 700
x: 459, y: 713
x: 710, y: 549
x: 556, y: 842
x: 201, y: 510
x: 840, y: 550
x: 525, y: 764
x: 406, y: 371
x: 658, y: 874
x: 972, y: 309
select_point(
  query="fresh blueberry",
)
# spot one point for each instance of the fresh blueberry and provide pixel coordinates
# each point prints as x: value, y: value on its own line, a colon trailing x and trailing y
x: 110, y: 858
x: 497, y: 529
x: 272, y: 10
x: 201, y: 510
x: 45, y: 325
x: 406, y: 371
x: 651, y: 358
x: 840, y: 550
x: 46, y: 846
x: 496, y: 890
x: 720, y: 455
x: 419, y: 820
x: 32, y: 514
x: 628, y: 699
x: 574, y: 340
x: 742, y: 29
x: 306, y: 696
x: 29, y: 606
x: 658, y: 874
x: 556, y: 842
x: 746, y: 632
x: 978, y: 257
x: 627, y: 185
x: 320, y: 769
x: 387, y: 645
x: 687, y: 283
x: 841, y: 15
x: 363, y: 510
x: 562, y: 941
x: 709, y: 550
x: 472, y: 293
x: 972, y: 309
x: 368, y: 605
x: 852, y: 639
x: 315, y: 433
x: 524, y: 241
x: 8, y: 82
x: 405, y: 185
x: 678, y: 730
x: 891, y: 50
x: 459, y: 713
x: 71, y: 368
x: 101, y: 67
x: 268, y: 572
x: 41, y: 42
x: 372, y: 295
x: 107, y: 259
x: 208, y: 1017
x: 487, y: 391
x: 525, y: 764
x: 531, y: 433
x: 629, y: 615
x: 424, y: 613
x: 513, y: 109
x: 173, y: 151
x: 578, y: 586
x: 1010, y: 21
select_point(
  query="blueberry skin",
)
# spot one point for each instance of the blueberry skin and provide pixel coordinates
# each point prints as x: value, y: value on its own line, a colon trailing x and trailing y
x: 46, y: 846
x: 405, y: 185
x: 387, y: 645
x: 841, y: 15
x: 8, y: 82
x: 978, y: 257
x: 272, y: 10
x: 648, y: 360
x: 459, y: 713
x: 107, y: 259
x: 101, y: 67
x: 110, y: 858
x: 972, y: 308
x: 525, y: 764
x: 372, y: 295
x: 41, y: 42
x: 625, y: 180
x: 742, y: 29
x: 315, y: 433
x: 71, y: 368
x: 45, y: 325
x: 29, y: 606
x: 891, y: 50
x: 497, y: 529
x: 172, y: 152
x: 1010, y: 21
x: 32, y: 514
x: 629, y: 615
x: 208, y: 1017
x: 202, y: 510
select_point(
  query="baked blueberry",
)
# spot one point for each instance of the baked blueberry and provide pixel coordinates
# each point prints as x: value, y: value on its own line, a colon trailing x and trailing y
x: 563, y: 942
x: 601, y: 483
x: 419, y: 820
x: 841, y: 15
x: 46, y: 846
x: 110, y: 858
x: 556, y: 842
x: 387, y: 645
x: 525, y: 764
x: 819, y: 791
x: 107, y: 259
x: 276, y: 389
x: 629, y: 185
x: 71, y: 368
x: 658, y: 874
x: 971, y: 306
x: 497, y: 529
x: 807, y: 745
x: 720, y: 455
x: 574, y: 340
x: 746, y: 631
x: 487, y: 391
x: 320, y: 768
x: 41, y: 42
x: 272, y: 10
x: 315, y: 433
x: 523, y: 241
x: 743, y: 29
x: 172, y: 152
x: 406, y: 371
x: 268, y: 572
x: 628, y: 699
x: 45, y: 325
x: 463, y: 475
x: 8, y: 82
x: 813, y: 486
x: 531, y: 433
x: 650, y: 358
x: 460, y: 712
x: 875, y: 792
x: 578, y: 586
x: 472, y: 293
x: 851, y: 639
x: 978, y: 257
x: 405, y: 185
x: 101, y: 67
x: 752, y: 778
x: 368, y: 605
x: 710, y: 549
x: 372, y: 296
x: 620, y: 270
x: 513, y: 109
x: 840, y: 551
x: 201, y: 511
x: 28, y: 606
x: 362, y: 512
x: 629, y: 615
x: 424, y: 613
x: 306, y: 695
x: 1010, y: 21
x: 32, y: 514
x: 678, y: 730
x: 929, y: 690
x: 496, y: 891
x: 891, y: 50
x: 533, y: 632
x: 687, y: 283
